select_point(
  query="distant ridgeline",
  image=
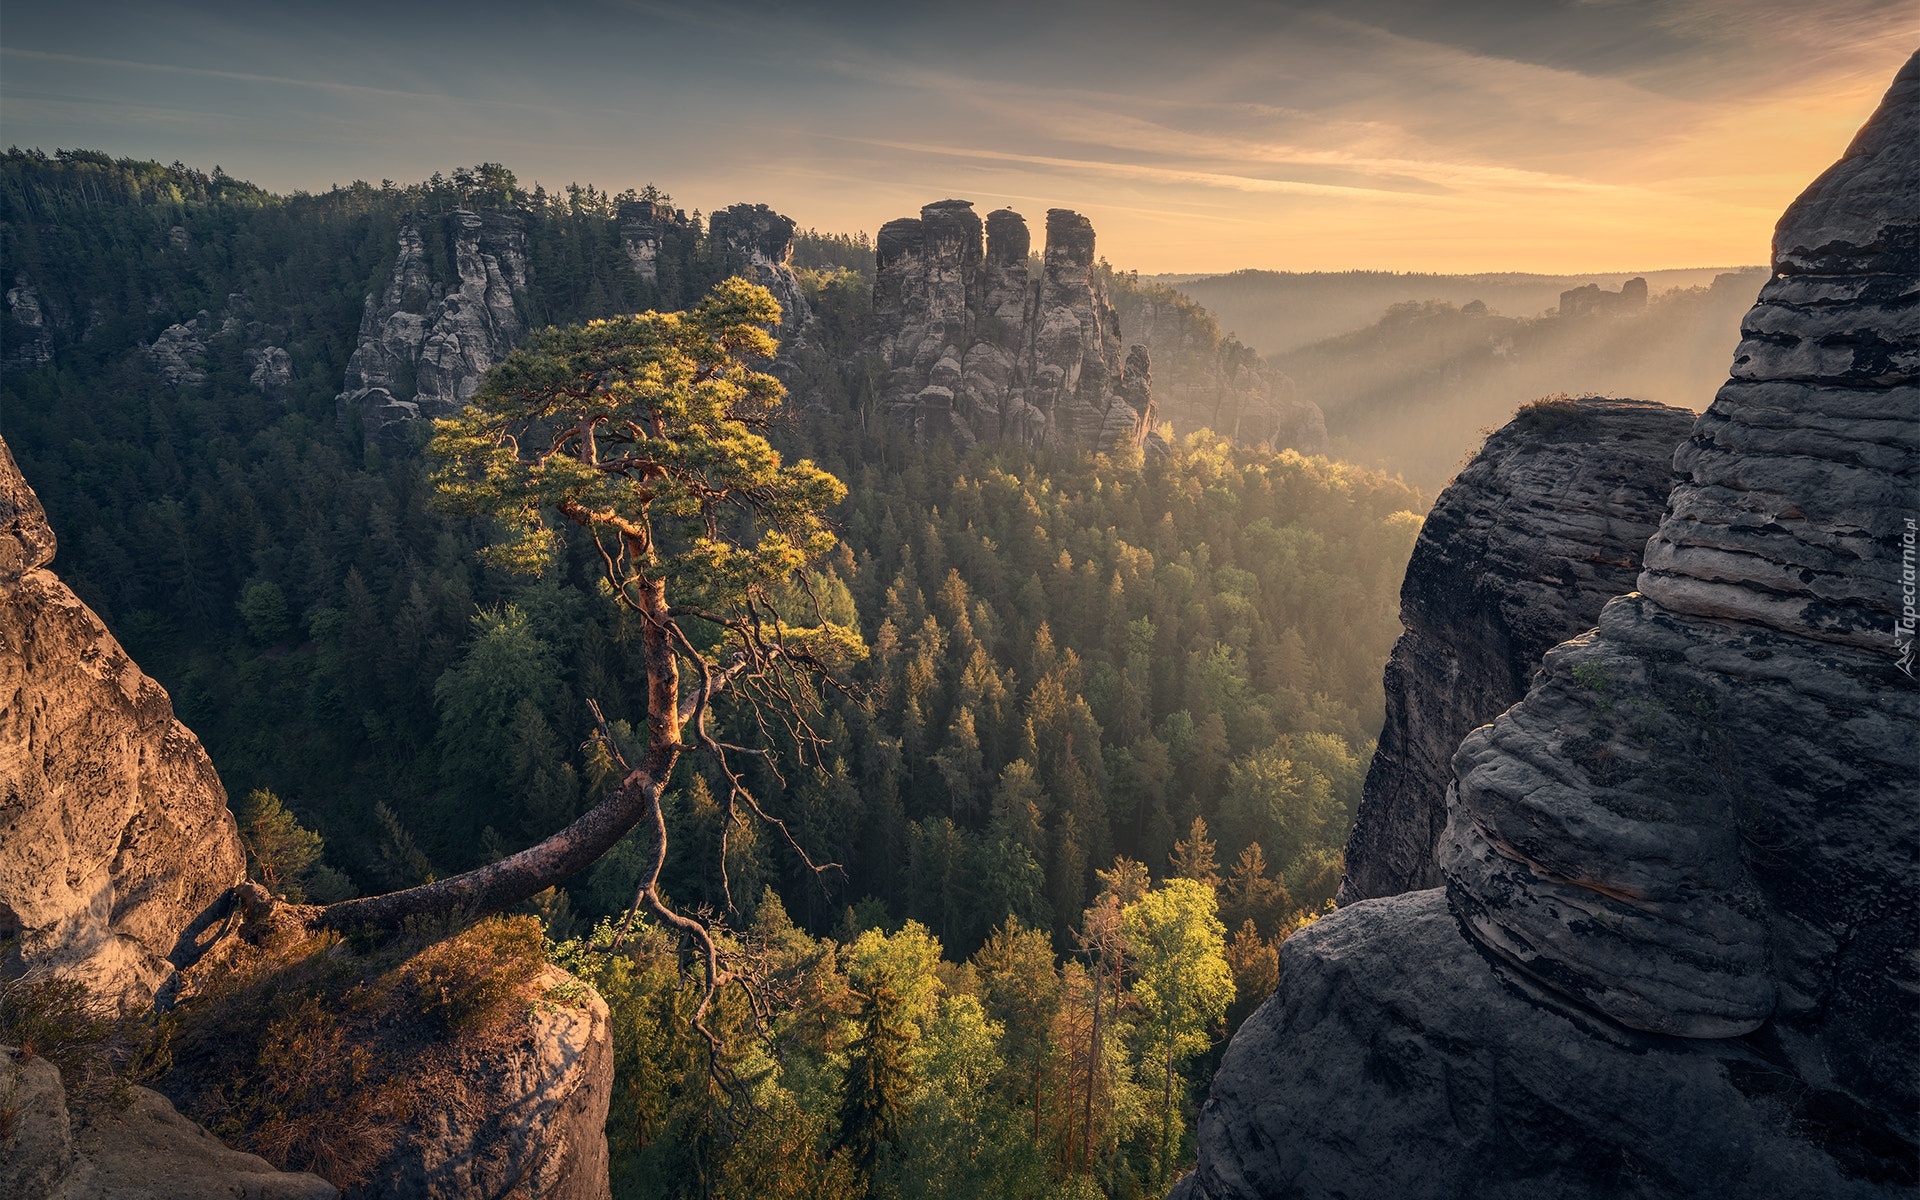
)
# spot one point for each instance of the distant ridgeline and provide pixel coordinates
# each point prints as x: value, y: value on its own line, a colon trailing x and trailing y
x: 218, y: 394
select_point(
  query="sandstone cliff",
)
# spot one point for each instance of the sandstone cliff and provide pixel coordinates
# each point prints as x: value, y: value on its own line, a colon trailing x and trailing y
x: 425, y: 342
x: 1676, y: 950
x: 1519, y: 553
x: 756, y: 243
x: 976, y: 350
x: 116, y: 831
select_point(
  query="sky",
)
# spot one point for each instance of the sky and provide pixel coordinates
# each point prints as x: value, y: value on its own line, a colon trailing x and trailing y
x: 1556, y: 136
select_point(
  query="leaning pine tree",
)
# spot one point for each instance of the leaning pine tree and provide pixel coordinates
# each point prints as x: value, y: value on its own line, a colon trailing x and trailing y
x: 648, y: 433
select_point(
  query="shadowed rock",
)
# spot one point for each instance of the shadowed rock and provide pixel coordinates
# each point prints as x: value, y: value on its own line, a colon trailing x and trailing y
x: 1676, y: 951
x: 1519, y: 553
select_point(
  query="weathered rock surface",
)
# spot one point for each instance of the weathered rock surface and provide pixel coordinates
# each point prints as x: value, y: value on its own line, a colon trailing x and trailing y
x: 425, y: 342
x: 758, y: 246
x: 533, y: 1124
x: 644, y: 227
x: 116, y: 831
x: 272, y: 369
x: 178, y: 352
x: 29, y: 335
x: 144, y: 1151
x: 1519, y: 553
x: 976, y: 350
x: 1397, y: 1061
x: 1678, y: 950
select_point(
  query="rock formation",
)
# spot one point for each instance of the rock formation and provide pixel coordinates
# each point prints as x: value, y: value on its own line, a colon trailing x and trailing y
x: 142, y: 1151
x: 1520, y: 552
x: 976, y: 350
x: 644, y: 226
x: 538, y: 1124
x: 1594, y: 300
x: 757, y: 244
x: 178, y: 352
x: 29, y: 340
x: 272, y: 369
x: 425, y: 342
x: 1208, y: 381
x: 116, y: 831
x: 1676, y: 950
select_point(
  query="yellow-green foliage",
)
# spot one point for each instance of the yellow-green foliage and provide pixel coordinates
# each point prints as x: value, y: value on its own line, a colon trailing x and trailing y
x: 314, y: 1054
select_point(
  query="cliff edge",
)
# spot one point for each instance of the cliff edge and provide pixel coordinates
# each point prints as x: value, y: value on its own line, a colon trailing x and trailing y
x: 1675, y: 952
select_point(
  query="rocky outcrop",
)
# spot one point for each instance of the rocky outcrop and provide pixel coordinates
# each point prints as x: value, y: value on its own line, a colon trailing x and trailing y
x: 116, y: 829
x: 1678, y: 949
x: 978, y: 349
x: 535, y: 1124
x: 29, y: 340
x: 1205, y: 380
x: 1595, y: 301
x: 644, y: 228
x: 142, y: 1150
x: 272, y: 370
x: 1519, y: 553
x: 425, y: 342
x: 179, y: 352
x: 756, y: 243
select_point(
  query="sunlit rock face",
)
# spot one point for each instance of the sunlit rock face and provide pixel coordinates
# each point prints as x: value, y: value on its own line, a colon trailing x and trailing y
x: 1675, y: 953
x: 757, y: 244
x: 977, y: 349
x: 115, y: 837
x: 1519, y: 553
x: 424, y: 342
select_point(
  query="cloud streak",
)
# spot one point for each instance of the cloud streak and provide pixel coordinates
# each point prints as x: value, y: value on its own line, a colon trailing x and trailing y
x: 1499, y: 135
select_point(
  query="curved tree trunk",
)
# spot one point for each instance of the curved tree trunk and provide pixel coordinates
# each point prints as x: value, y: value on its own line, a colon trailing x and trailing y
x: 521, y: 876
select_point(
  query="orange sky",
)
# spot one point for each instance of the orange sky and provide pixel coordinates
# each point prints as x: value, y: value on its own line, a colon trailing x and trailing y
x: 1480, y: 135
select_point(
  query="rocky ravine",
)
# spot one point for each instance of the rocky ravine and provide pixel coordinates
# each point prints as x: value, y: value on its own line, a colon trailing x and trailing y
x: 976, y: 350
x: 1675, y: 955
x: 1520, y: 552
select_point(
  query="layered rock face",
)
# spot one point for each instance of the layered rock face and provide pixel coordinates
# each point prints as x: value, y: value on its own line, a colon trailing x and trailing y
x: 425, y: 343
x: 758, y: 246
x: 115, y: 827
x: 976, y: 350
x: 29, y: 340
x: 1676, y: 950
x: 644, y: 226
x: 1520, y: 553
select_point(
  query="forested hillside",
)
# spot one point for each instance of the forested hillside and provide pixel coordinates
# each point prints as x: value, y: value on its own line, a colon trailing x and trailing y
x: 1087, y: 677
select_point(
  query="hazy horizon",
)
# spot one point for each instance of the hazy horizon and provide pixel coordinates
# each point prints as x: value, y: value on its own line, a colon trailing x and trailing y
x: 1585, y: 136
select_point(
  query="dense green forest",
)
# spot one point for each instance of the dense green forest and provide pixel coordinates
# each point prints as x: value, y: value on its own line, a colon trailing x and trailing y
x: 1089, y: 679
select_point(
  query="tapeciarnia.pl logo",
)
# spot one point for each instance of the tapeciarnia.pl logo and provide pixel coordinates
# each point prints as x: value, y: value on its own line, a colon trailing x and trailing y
x: 1903, y: 625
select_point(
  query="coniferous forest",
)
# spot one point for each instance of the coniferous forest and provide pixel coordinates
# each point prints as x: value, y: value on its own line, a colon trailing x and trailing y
x: 1098, y: 762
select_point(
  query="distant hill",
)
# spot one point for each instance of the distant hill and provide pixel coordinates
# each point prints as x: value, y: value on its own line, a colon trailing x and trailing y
x: 1412, y: 391
x: 1278, y: 311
